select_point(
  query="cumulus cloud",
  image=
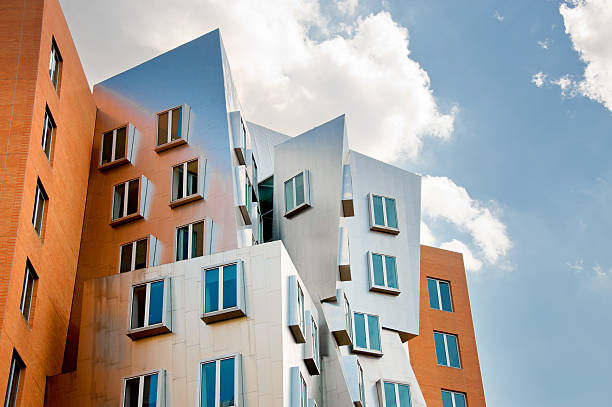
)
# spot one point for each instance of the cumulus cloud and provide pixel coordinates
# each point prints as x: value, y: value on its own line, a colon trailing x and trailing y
x: 427, y: 237
x: 544, y: 44
x: 471, y: 262
x: 498, y: 16
x: 347, y: 6
x: 577, y: 266
x: 539, y: 79
x: 601, y: 272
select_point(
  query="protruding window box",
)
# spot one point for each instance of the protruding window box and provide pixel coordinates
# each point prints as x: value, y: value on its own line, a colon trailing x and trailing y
x: 139, y: 254
x: 354, y: 379
x: 348, y: 208
x: 117, y: 146
x: 342, y: 329
x: 240, y: 137
x: 221, y: 382
x: 344, y: 258
x: 296, y: 314
x: 223, y: 292
x: 129, y: 201
x: 195, y: 239
x: 187, y: 183
x: 243, y: 193
x: 383, y: 214
x: 299, y: 390
x: 393, y: 394
x: 172, y: 128
x: 312, y: 357
x: 147, y: 389
x: 150, y: 309
x: 367, y: 337
x: 297, y: 194
x: 383, y: 273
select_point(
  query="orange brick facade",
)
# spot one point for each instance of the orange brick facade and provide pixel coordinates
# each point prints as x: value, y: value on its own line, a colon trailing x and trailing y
x: 445, y: 265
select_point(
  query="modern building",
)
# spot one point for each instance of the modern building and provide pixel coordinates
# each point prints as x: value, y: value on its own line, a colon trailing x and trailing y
x: 204, y: 260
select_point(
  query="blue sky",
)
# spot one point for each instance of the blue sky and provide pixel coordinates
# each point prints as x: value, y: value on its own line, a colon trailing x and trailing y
x: 488, y: 99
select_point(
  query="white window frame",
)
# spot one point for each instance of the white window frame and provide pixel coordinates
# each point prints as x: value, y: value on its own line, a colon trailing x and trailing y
x: 383, y: 228
x: 444, y: 336
x: 367, y: 349
x: 55, y: 64
x: 307, y: 203
x: 361, y: 384
x: 348, y: 316
x: 453, y: 393
x: 161, y: 378
x: 185, y: 197
x: 29, y: 273
x: 238, y: 396
x: 438, y: 281
x: 185, y: 118
x: 114, y: 144
x: 382, y: 288
x: 221, y: 313
x: 297, y: 309
x: 48, y: 119
x: 40, y: 201
x: 124, y: 207
x: 150, y: 329
x: 133, y: 245
x: 315, y: 341
x: 16, y: 363
x: 190, y: 240
x: 383, y: 397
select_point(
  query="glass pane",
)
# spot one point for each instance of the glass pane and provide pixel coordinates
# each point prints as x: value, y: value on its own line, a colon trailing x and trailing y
x: 390, y: 395
x: 141, y: 254
x: 460, y: 400
x: 447, y: 399
x: 138, y: 306
x: 360, y: 332
x: 149, y: 394
x: 162, y: 129
x: 120, y: 143
x: 440, y: 350
x: 404, y: 395
x: 446, y: 296
x: 391, y: 215
x: 192, y: 177
x: 377, y: 267
x: 176, y: 123
x: 132, y: 205
x: 131, y: 392
x: 373, y: 332
x: 226, y: 382
x: 40, y: 209
x: 182, y: 242
x: 361, y: 386
x: 303, y: 393
x: 347, y: 316
x: 299, y: 189
x: 301, y: 308
x: 125, y: 263
x: 118, y: 196
x: 432, y: 287
x: 379, y: 217
x: 27, y: 294
x: 453, y: 350
x: 289, y: 195
x: 48, y: 135
x: 230, y: 286
x: 207, y: 395
x: 107, y: 148
x: 177, y: 182
x: 211, y: 293
x: 391, y: 272
x: 197, y: 240
x: 156, y: 303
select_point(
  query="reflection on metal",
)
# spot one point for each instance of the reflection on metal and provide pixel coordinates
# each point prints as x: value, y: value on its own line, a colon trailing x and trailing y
x: 344, y: 257
x: 347, y: 192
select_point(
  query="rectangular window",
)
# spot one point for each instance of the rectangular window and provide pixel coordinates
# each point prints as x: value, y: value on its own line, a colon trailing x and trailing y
x: 27, y: 294
x: 394, y: 394
x: 186, y: 182
x: 453, y: 399
x: 223, y: 292
x: 348, y: 316
x: 133, y: 256
x: 447, y: 350
x: 114, y: 146
x: 172, y: 127
x: 361, y: 385
x: 48, y: 133
x: 150, y: 304
x: 40, y: 204
x: 367, y: 333
x: 439, y: 294
x: 383, y: 214
x: 126, y: 197
x: 12, y: 388
x: 297, y: 311
x: 55, y: 65
x: 297, y: 193
x: 190, y: 241
x: 315, y: 340
x: 143, y: 391
x: 383, y: 273
x: 220, y: 382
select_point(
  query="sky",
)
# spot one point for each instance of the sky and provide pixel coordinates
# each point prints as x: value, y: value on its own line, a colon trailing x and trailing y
x: 504, y: 107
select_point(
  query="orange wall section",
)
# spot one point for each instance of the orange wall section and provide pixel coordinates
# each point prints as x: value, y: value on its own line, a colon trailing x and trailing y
x: 446, y: 265
x: 26, y: 32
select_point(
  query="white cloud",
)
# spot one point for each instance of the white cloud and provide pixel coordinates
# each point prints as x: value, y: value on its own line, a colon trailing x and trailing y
x: 539, y: 79
x: 443, y: 199
x: 498, y: 16
x: 577, y: 266
x: 347, y: 6
x: 544, y: 44
x: 427, y: 237
x: 600, y: 272
x: 471, y: 262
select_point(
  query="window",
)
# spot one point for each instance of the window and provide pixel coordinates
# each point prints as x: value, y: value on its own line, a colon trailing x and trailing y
x: 315, y: 340
x: 439, y: 294
x: 223, y: 292
x: 220, y: 382
x: 299, y: 389
x: 367, y: 333
x: 297, y: 193
x: 447, y: 350
x: 383, y: 273
x: 190, y: 241
x: 186, y: 182
x: 143, y: 391
x: 40, y: 202
x: 55, y: 65
x: 126, y: 201
x: 48, y: 133
x: 150, y: 309
x: 347, y: 316
x: 297, y: 310
x: 383, y: 214
x: 133, y: 256
x: 27, y: 295
x: 172, y: 127
x: 114, y: 146
x: 453, y: 399
x: 311, y: 352
x: 12, y: 388
x: 394, y: 394
x: 361, y: 385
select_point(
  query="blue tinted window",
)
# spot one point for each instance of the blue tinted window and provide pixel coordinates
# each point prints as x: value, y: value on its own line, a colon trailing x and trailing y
x: 391, y: 272
x: 360, y: 332
x: 447, y: 399
x: 149, y: 397
x: 446, y: 296
x: 404, y: 395
x: 440, y: 350
x: 156, y: 303
x: 299, y: 189
x: 432, y: 287
x: 377, y: 267
x: 230, y: 286
x: 453, y: 350
x: 460, y: 400
x: 379, y: 217
x: 289, y: 195
x: 373, y: 332
x: 207, y: 396
x: 391, y: 215
x: 390, y: 395
x: 227, y: 383
x: 211, y: 297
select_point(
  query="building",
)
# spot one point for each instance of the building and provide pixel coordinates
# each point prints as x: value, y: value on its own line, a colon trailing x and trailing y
x: 215, y: 262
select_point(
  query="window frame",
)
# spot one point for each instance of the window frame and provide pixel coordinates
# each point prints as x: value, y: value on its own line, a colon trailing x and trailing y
x: 453, y: 393
x: 134, y: 244
x: 190, y: 240
x: 48, y: 138
x: 446, y: 350
x: 383, y: 397
x: 185, y: 116
x: 58, y: 65
x: 367, y: 350
x: 439, y: 293
x: 161, y: 378
x: 199, y: 194
x: 297, y: 309
x: 307, y: 199
x: 238, y: 395
x: 41, y: 196
x: 125, y: 217
x: 383, y: 228
x: 25, y: 301
x: 239, y: 310
x: 151, y: 329
x: 312, y: 351
x: 361, y: 384
x: 114, y: 162
x: 382, y: 288
x: 16, y: 363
